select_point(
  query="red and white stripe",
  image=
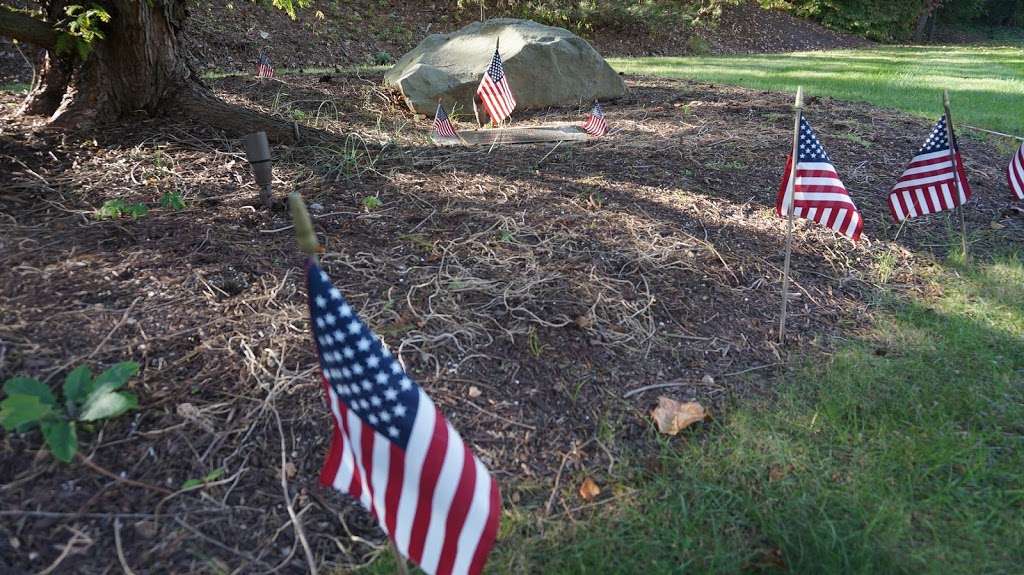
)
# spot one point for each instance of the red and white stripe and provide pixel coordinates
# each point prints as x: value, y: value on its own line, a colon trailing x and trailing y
x: 819, y: 195
x: 1015, y: 174
x: 442, y: 123
x: 496, y: 97
x: 595, y: 125
x: 927, y: 186
x: 435, y: 500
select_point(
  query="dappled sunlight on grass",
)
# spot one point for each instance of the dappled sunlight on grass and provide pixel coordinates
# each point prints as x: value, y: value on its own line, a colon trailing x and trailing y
x: 985, y: 83
x: 899, y: 454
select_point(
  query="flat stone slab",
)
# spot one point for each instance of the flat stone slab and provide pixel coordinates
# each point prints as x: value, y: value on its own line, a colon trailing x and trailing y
x: 515, y: 135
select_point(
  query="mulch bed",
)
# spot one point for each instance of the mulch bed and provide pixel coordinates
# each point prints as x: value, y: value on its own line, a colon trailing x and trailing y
x: 527, y: 288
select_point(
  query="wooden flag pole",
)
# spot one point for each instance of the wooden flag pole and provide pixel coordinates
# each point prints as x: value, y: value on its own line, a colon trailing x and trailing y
x: 303, y: 225
x: 308, y: 243
x: 403, y: 567
x: 790, y: 193
x: 951, y: 138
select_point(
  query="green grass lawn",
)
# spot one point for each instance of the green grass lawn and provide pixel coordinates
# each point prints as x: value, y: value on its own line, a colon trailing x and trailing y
x: 986, y: 83
x: 902, y: 453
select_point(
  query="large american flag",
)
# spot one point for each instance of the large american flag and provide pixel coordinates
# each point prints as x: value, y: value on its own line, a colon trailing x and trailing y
x: 442, y: 123
x: 392, y: 448
x: 264, y: 69
x: 494, y: 91
x: 1015, y: 174
x: 927, y: 185
x: 596, y: 125
x: 817, y: 194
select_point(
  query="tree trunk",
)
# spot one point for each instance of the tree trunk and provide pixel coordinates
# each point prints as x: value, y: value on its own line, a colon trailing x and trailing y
x: 51, y: 81
x: 143, y: 66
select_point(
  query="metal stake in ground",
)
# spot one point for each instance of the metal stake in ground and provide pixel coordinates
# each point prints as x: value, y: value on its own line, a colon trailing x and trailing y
x: 798, y: 108
x: 951, y: 138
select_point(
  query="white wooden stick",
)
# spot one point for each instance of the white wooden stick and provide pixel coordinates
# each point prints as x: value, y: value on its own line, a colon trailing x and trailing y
x: 956, y: 171
x: 791, y: 194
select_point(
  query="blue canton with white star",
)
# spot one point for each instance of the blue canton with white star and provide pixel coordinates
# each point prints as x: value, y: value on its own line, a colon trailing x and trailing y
x: 938, y: 140
x: 496, y: 71
x: 810, y: 149
x: 364, y: 374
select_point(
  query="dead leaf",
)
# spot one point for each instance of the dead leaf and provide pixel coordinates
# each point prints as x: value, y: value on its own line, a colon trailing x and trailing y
x: 997, y: 226
x: 673, y: 417
x: 589, y: 490
x: 290, y: 470
x: 474, y: 392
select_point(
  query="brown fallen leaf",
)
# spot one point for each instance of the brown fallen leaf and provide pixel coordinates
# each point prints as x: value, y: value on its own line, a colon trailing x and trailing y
x: 589, y: 490
x: 474, y: 392
x: 673, y: 417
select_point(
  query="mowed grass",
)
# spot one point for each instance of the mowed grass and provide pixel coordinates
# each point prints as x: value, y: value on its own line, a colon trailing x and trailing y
x: 986, y: 83
x: 901, y: 453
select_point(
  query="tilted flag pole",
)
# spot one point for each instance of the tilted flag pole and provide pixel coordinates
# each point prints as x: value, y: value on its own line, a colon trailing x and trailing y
x: 798, y: 108
x: 953, y: 148
x: 392, y: 449
x: 304, y: 232
x: 306, y: 237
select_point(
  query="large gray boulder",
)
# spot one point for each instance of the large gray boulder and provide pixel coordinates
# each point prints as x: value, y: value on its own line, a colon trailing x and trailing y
x: 545, y: 66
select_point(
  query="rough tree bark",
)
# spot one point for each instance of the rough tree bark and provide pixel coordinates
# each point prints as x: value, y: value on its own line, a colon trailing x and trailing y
x: 142, y: 65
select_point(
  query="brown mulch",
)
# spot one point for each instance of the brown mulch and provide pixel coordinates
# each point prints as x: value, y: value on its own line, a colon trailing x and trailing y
x: 750, y: 29
x: 552, y: 279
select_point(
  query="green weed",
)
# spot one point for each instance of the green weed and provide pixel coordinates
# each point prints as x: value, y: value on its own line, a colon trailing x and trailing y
x: 30, y: 403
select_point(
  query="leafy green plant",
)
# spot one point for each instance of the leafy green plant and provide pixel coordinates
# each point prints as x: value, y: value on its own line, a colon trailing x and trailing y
x: 210, y: 477
x: 371, y: 203
x: 116, y: 208
x: 80, y: 29
x: 172, y: 200
x: 30, y: 403
x: 382, y: 58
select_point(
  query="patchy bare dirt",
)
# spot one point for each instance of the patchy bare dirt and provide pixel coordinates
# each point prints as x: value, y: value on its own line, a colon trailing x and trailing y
x: 552, y: 279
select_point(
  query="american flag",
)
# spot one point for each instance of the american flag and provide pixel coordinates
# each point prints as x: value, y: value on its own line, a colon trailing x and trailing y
x: 1015, y: 174
x: 927, y: 185
x: 818, y: 194
x: 494, y: 91
x: 264, y: 69
x: 393, y: 450
x: 596, y: 125
x: 442, y: 123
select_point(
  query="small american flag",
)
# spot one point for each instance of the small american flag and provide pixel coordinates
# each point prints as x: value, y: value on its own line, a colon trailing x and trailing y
x: 264, y: 69
x: 443, y: 124
x: 393, y: 450
x: 494, y: 91
x: 1015, y: 174
x: 927, y: 185
x: 818, y: 194
x: 596, y: 125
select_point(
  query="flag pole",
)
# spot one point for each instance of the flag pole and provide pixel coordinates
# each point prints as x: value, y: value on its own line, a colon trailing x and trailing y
x: 303, y: 225
x: 790, y: 193
x: 950, y: 136
x: 308, y: 243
